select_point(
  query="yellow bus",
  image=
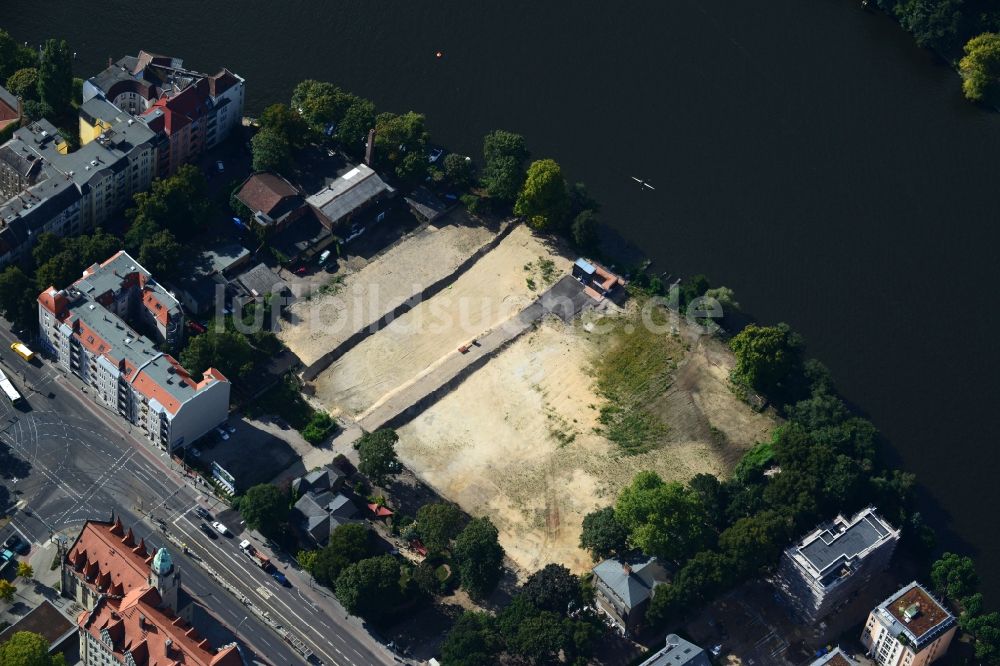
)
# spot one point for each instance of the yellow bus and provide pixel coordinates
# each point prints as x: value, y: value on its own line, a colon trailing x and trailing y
x: 22, y: 351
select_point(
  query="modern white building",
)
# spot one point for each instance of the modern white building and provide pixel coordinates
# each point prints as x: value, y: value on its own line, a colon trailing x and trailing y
x: 88, y: 328
x: 910, y: 628
x: 829, y: 565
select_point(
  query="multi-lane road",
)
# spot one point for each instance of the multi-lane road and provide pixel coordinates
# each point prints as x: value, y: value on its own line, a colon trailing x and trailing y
x: 85, y: 463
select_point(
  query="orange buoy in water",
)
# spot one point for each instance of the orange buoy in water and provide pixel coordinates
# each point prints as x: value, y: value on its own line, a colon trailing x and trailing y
x: 439, y: 54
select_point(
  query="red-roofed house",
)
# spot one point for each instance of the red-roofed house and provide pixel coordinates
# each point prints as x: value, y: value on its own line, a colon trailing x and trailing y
x: 136, y: 612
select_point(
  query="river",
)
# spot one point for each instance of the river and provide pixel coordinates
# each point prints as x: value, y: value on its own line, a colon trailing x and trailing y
x: 806, y: 154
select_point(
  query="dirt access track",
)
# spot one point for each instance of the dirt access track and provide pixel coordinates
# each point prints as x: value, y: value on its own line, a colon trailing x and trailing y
x: 519, y: 440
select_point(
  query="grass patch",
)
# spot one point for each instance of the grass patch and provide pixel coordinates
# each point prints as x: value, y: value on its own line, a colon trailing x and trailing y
x: 636, y: 369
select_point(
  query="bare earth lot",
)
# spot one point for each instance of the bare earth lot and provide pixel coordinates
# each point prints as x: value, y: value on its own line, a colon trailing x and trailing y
x: 492, y: 291
x: 517, y: 442
x: 326, y: 320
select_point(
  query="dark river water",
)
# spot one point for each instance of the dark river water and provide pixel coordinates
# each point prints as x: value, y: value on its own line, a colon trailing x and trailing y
x: 804, y: 153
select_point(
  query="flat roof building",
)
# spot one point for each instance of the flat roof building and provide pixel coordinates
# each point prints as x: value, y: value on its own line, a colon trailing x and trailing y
x: 88, y: 328
x: 910, y: 628
x: 678, y: 652
x: 829, y: 565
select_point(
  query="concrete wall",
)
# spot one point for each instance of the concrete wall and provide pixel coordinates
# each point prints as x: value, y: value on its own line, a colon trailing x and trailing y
x: 200, y: 414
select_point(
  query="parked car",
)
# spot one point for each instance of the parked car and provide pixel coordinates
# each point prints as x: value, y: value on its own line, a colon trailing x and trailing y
x: 17, y: 544
x: 202, y: 513
x: 208, y: 531
x: 301, y: 270
x: 221, y: 529
x: 195, y: 453
x: 222, y: 433
x: 280, y: 577
x: 231, y: 428
x: 220, y: 167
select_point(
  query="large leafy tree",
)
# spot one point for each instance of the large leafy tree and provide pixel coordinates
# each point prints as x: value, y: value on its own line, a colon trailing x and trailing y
x: 377, y: 453
x: 768, y: 358
x: 955, y: 576
x: 26, y: 648
x: 348, y: 544
x: 504, y: 156
x: 7, y: 592
x: 352, y: 130
x: 55, y: 76
x: 756, y: 542
x: 459, y: 170
x: 271, y: 151
x: 602, y: 534
x: 663, y: 519
x: 264, y: 507
x: 472, y: 641
x: 179, y: 204
x: 553, y: 588
x: 228, y: 351
x: 161, y: 254
x: 980, y: 67
x: 370, y: 588
x: 24, y: 83
x: 933, y: 23
x: 437, y: 524
x: 544, y: 199
x: 479, y: 556
x: 17, y: 297
x: 284, y: 120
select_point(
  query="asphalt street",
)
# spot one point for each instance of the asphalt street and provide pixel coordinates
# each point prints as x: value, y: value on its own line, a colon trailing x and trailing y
x: 82, y: 462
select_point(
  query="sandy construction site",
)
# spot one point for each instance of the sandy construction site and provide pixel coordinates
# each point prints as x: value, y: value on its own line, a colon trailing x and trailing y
x: 490, y: 292
x: 322, y: 322
x: 518, y: 441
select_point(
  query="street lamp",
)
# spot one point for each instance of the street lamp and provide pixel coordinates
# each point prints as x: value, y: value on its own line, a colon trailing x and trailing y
x: 237, y: 638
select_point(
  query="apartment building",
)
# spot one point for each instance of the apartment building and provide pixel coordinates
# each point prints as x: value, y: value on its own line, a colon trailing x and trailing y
x: 192, y: 110
x: 136, y: 611
x: 829, y: 565
x: 910, y: 628
x: 88, y: 328
x: 46, y: 188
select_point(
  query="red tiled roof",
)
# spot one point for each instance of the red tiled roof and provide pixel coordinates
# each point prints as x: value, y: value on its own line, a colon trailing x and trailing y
x: 108, y: 558
x: 154, y: 636
x: 265, y: 191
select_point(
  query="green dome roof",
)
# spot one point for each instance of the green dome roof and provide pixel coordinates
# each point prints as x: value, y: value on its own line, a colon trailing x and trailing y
x: 162, y: 564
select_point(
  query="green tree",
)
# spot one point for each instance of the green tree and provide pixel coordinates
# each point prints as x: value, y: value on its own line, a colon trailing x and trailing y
x: 284, y: 120
x: 437, y: 524
x: 348, y: 544
x: 25, y: 571
x: 26, y: 648
x: 553, y: 588
x: 755, y: 543
x: 320, y: 103
x: 543, y: 199
x: 768, y: 358
x: 602, y: 534
x: 17, y: 297
x: 7, y: 591
x: 713, y: 497
x: 980, y: 67
x: 412, y: 169
x: 271, y: 151
x: 479, y: 556
x: 370, y: 588
x: 141, y: 230
x: 955, y: 576
x: 14, y: 56
x: 55, y: 76
x: 24, y: 83
x: 933, y: 23
x: 503, y: 172
x: 459, y: 170
x: 725, y: 296
x: 377, y: 451
x: 307, y: 560
x: 265, y: 508
x: 663, y: 519
x: 352, y: 130
x: 584, y: 230
x: 472, y: 641
x: 161, y: 254
x: 179, y: 204
x: 227, y: 351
